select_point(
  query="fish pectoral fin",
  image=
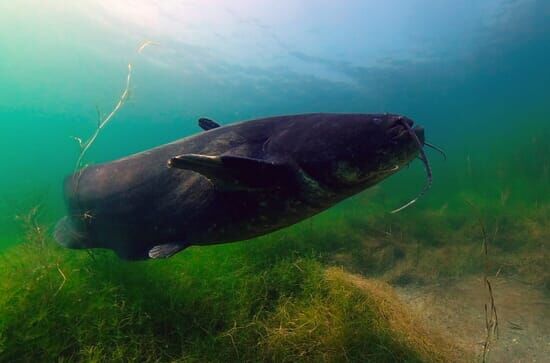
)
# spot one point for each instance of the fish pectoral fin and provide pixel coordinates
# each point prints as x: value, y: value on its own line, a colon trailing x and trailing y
x: 207, y: 124
x: 236, y: 171
x: 165, y: 250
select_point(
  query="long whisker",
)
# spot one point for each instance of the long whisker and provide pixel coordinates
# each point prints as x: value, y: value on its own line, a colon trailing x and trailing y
x: 437, y: 148
x: 424, y: 159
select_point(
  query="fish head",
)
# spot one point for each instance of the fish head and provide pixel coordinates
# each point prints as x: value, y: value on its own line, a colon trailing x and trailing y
x: 354, y: 151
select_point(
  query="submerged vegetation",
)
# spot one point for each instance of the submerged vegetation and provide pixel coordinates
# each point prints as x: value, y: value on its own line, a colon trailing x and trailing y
x: 206, y: 304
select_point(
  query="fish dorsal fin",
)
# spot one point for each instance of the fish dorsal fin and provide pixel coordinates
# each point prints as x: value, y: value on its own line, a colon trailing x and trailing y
x: 237, y: 171
x: 207, y: 124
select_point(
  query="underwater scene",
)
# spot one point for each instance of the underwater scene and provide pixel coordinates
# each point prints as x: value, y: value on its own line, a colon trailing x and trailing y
x: 275, y: 181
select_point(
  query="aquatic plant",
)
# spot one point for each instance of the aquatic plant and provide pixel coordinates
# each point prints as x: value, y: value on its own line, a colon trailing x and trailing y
x: 491, y: 315
x: 103, y: 121
x: 207, y: 304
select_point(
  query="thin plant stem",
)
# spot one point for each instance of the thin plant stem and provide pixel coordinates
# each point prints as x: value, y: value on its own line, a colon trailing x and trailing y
x: 491, y: 316
x: 104, y: 122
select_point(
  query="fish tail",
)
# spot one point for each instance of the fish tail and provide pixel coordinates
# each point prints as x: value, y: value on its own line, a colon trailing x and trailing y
x: 69, y: 235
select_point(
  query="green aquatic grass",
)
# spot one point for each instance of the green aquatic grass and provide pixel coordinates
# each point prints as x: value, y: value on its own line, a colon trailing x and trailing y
x: 424, y: 245
x: 271, y: 298
x: 207, y: 304
x: 431, y: 244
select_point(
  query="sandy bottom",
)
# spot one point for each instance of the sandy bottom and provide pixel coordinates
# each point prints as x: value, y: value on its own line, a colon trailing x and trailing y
x: 457, y: 309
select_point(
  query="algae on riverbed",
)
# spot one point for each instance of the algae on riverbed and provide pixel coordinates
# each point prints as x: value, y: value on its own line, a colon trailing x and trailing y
x: 58, y: 305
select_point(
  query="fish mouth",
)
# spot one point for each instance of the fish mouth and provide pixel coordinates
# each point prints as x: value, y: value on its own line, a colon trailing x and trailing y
x: 405, y: 130
x: 419, y: 131
x: 401, y: 131
x: 416, y: 133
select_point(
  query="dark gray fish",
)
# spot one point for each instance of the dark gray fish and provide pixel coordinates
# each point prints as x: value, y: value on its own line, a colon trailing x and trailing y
x: 232, y: 183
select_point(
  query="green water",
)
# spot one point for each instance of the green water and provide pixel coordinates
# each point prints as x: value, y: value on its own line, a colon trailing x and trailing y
x: 475, y: 76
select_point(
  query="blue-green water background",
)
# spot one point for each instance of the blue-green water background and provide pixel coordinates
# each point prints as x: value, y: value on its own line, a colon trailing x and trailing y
x: 475, y: 75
